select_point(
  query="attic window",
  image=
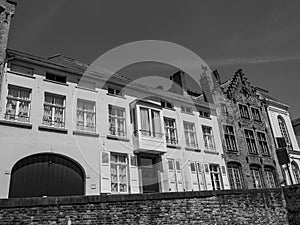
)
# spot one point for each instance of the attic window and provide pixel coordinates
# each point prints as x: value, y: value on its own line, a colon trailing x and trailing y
x: 112, y: 90
x: 186, y: 109
x: 21, y: 69
x: 204, y: 114
x: 166, y: 105
x: 56, y: 78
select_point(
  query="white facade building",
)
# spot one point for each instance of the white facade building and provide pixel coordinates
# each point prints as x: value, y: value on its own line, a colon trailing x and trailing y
x: 60, y: 136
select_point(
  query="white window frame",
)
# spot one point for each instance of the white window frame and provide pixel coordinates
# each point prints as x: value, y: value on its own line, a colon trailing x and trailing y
x: 251, y: 142
x: 230, y: 141
x: 53, y: 107
x: 256, y: 177
x: 115, y: 130
x: 235, y: 176
x: 118, y: 164
x: 262, y: 143
x: 215, y: 174
x: 151, y: 132
x: 188, y: 133
x: 83, y: 125
x: 270, y: 178
x: 208, y: 138
x: 169, y: 130
x: 19, y: 115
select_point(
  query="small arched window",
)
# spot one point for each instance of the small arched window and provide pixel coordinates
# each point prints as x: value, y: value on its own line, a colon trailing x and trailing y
x: 296, y: 172
x: 284, y: 132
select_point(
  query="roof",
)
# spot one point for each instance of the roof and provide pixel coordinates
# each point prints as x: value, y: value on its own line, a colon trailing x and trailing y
x: 296, y: 121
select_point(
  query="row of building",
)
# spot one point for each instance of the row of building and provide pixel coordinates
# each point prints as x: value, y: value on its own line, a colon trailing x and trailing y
x: 66, y: 129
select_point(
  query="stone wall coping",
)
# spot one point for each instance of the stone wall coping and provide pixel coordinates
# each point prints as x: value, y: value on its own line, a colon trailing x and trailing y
x: 106, y: 198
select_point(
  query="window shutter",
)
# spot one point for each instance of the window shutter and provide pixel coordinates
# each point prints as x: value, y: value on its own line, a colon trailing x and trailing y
x: 194, y: 179
x: 105, y: 172
x: 179, y: 176
x: 171, y: 175
x: 134, y: 176
x: 207, y: 176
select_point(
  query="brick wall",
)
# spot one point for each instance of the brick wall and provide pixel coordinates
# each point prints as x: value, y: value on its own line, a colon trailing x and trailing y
x: 209, y: 207
x: 292, y: 197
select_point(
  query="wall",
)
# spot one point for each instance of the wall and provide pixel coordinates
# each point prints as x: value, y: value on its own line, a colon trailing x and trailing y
x: 265, y: 206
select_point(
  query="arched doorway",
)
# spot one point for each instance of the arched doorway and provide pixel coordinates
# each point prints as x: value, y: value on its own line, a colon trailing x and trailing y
x: 46, y: 174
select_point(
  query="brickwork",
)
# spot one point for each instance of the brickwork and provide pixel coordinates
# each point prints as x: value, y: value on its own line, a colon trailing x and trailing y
x: 228, y: 97
x: 292, y: 197
x: 7, y: 9
x: 218, y: 207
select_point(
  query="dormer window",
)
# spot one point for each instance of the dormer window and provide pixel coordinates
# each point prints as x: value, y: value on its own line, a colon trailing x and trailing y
x: 56, y: 78
x: 204, y: 114
x: 113, y: 90
x: 244, y: 111
x: 166, y: 105
x: 186, y: 109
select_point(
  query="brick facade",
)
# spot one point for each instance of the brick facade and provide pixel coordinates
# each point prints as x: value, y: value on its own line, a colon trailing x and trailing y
x: 228, y: 97
x: 7, y: 9
x: 265, y: 206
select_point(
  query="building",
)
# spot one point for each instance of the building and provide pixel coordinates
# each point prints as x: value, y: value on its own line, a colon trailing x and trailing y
x: 65, y: 134
x: 7, y: 10
x: 296, y: 126
x: 248, y: 144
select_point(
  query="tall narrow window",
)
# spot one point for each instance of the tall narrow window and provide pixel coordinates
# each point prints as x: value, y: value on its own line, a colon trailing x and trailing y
x: 170, y: 131
x: 18, y: 104
x: 244, y: 111
x: 86, y: 115
x: 256, y: 177
x: 117, y: 121
x: 250, y: 140
x: 296, y: 172
x: 208, y: 138
x: 215, y: 176
x: 175, y: 175
x: 255, y: 114
x: 263, y: 144
x: 118, y: 171
x: 230, y: 138
x: 235, y: 177
x: 270, y: 178
x: 190, y: 135
x: 150, y: 122
x: 284, y: 132
x: 54, y: 110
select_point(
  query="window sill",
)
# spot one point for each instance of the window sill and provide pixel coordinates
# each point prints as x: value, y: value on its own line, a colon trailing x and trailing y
x: 15, y: 124
x: 53, y: 129
x: 87, y: 89
x: 22, y: 74
x: 232, y: 152
x: 211, y: 152
x: 118, y: 96
x: 192, y: 149
x: 85, y: 133
x: 173, y: 146
x: 113, y: 137
x: 55, y: 82
x: 268, y: 156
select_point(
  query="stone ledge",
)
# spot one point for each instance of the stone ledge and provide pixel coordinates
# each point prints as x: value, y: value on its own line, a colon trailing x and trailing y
x: 15, y: 124
x: 77, y: 200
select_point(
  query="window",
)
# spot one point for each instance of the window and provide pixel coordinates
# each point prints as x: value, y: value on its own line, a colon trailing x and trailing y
x: 230, y: 138
x: 244, y: 111
x: 204, y: 114
x: 262, y: 142
x: 255, y: 114
x: 250, y: 140
x: 117, y: 124
x: 175, y: 175
x: 215, y: 176
x: 54, y: 110
x: 56, y: 78
x: 270, y: 179
x: 170, y: 131
x: 118, y: 172
x: 21, y: 69
x: 256, y: 177
x: 208, y: 138
x: 166, y: 105
x: 296, y: 172
x: 86, y: 114
x: 235, y: 177
x: 18, y: 104
x: 284, y: 132
x: 197, y: 176
x: 190, y: 135
x: 186, y: 109
x: 114, y: 91
x: 150, y: 122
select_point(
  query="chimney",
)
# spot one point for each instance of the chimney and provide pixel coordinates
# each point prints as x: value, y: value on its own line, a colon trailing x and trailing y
x: 217, y: 76
x: 179, y: 83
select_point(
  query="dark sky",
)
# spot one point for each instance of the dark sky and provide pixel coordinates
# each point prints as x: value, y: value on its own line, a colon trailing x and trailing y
x: 261, y: 37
